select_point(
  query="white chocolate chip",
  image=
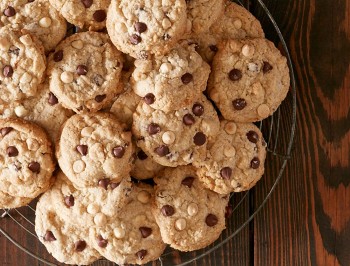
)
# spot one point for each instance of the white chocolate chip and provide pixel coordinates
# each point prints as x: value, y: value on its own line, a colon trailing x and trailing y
x: 32, y: 144
x: 119, y: 232
x: 229, y: 151
x: 26, y: 78
x: 45, y: 22
x: 78, y: 44
x: 264, y: 110
x: 93, y: 208
x: 180, y: 224
x: 67, y: 77
x: 100, y: 219
x: 165, y: 68
x: 168, y: 137
x: 230, y: 128
x: 143, y: 196
x: 166, y: 23
x: 26, y: 39
x: 237, y: 23
x: 20, y: 111
x: 78, y: 166
x: 87, y: 131
x: 192, y: 209
x: 253, y: 67
x: 248, y: 50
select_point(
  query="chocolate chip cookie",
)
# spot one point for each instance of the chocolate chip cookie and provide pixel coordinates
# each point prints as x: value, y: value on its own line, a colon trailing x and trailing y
x: 26, y: 161
x: 141, y: 28
x: 177, y: 137
x: 93, y: 148
x: 133, y: 236
x: 190, y: 217
x: 249, y: 79
x: 85, y: 71
x: 86, y: 14
x: 38, y: 17
x: 172, y: 81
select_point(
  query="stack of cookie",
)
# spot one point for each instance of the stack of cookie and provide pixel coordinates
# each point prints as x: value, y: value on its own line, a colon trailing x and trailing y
x: 169, y: 94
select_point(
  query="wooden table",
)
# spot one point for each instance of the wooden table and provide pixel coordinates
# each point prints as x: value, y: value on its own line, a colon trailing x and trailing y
x: 307, y: 219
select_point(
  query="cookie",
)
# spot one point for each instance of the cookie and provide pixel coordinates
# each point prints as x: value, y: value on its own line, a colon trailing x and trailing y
x: 90, y: 206
x: 201, y: 14
x: 93, y: 148
x: 42, y: 109
x: 177, y: 137
x: 124, y: 107
x: 235, y: 23
x: 85, y: 71
x: 235, y: 158
x: 86, y: 14
x: 38, y: 17
x: 22, y: 64
x: 190, y: 217
x: 144, y: 167
x: 26, y: 161
x: 141, y: 28
x: 133, y: 236
x: 10, y: 202
x: 249, y: 79
x: 172, y: 81
x: 65, y: 241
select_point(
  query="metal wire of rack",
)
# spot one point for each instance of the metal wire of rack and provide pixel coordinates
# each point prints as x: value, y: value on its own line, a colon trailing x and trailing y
x: 271, y: 128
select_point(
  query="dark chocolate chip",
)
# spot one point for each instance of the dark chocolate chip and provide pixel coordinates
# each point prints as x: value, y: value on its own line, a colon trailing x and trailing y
x: 12, y: 151
x: 80, y: 245
x: 145, y: 231
x: 100, y: 98
x: 187, y: 78
x: 102, y: 243
x: 34, y: 167
x: 52, y: 99
x: 228, y: 211
x: 82, y: 70
x: 7, y: 71
x: 198, y: 109
x: 188, y: 181
x: 9, y: 11
x: 153, y: 128
x: 211, y: 220
x: 99, y: 15
x: 239, y: 104
x: 213, y: 48
x: 149, y: 98
x: 82, y: 149
x: 199, y: 139
x: 226, y: 172
x: 162, y: 150
x: 167, y: 210
x: 141, y: 254
x: 267, y: 67
x: 255, y: 163
x: 235, y: 74
x: 5, y: 130
x: 188, y: 120
x: 87, y: 3
x: 142, y: 155
x: 104, y: 183
x: 135, y: 39
x: 140, y: 27
x: 253, y: 136
x: 49, y: 237
x: 58, y: 56
x: 69, y: 201
x: 118, y: 151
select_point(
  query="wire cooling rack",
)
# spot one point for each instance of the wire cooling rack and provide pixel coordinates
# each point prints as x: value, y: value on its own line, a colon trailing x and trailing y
x: 279, y: 147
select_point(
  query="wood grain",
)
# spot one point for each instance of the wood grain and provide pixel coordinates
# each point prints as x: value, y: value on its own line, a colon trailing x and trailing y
x: 307, y: 219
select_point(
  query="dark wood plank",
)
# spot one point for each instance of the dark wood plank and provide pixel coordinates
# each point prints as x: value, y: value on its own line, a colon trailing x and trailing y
x: 307, y: 220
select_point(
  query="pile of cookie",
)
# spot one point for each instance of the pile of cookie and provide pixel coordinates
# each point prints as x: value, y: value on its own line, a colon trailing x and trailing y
x: 137, y: 135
